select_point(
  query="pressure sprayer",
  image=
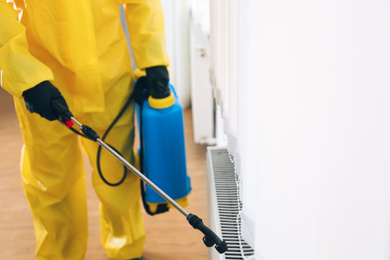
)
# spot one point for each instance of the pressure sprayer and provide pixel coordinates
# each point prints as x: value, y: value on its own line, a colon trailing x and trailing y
x: 162, y: 151
x: 210, y: 238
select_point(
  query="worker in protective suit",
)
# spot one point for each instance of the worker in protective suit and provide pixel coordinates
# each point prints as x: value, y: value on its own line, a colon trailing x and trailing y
x: 76, y: 51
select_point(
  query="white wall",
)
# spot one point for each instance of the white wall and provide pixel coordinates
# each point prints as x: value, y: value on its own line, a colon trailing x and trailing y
x: 315, y: 168
x: 323, y: 130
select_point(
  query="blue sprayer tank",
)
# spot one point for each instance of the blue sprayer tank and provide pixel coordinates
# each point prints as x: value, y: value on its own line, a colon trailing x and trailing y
x: 163, y: 149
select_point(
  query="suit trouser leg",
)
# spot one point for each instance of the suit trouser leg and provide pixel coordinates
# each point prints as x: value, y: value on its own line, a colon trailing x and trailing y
x: 121, y: 219
x: 54, y: 183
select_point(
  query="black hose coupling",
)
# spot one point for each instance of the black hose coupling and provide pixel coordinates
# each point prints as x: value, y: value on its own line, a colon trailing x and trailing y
x: 89, y: 132
x: 210, y: 237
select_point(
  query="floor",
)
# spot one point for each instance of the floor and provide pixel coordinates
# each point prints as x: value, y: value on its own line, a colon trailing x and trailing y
x: 169, y: 236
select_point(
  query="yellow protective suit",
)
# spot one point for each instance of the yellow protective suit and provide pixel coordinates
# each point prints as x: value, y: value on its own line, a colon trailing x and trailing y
x: 81, y: 48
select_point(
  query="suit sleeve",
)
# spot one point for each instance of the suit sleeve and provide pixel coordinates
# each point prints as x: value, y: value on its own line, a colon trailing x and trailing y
x: 19, y: 69
x: 145, y: 21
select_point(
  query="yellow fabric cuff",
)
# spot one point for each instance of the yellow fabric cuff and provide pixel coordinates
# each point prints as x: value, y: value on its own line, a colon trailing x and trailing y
x: 21, y: 70
x: 139, y: 73
x: 142, y: 73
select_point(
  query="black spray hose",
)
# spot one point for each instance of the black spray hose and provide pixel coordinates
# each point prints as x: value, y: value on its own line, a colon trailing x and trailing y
x: 210, y: 238
x: 65, y: 113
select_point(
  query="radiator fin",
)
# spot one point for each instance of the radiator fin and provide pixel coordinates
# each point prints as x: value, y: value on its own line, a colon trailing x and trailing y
x: 224, y: 182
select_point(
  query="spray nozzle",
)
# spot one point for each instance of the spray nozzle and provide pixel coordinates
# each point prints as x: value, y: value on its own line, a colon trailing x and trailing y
x: 210, y: 239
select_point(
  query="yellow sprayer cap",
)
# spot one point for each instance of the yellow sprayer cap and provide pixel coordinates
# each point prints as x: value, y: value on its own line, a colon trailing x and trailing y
x: 160, y: 103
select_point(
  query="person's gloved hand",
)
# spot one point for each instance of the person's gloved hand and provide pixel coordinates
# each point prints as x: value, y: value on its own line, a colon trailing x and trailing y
x: 155, y: 83
x: 39, y: 100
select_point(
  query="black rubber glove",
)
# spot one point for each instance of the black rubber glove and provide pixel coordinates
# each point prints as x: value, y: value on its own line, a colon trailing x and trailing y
x: 39, y: 99
x: 155, y: 83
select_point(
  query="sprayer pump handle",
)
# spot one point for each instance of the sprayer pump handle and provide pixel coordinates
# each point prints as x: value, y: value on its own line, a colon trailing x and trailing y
x: 64, y: 115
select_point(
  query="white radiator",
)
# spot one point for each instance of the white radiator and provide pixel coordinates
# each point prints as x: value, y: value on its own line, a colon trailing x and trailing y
x: 202, y: 101
x: 224, y: 205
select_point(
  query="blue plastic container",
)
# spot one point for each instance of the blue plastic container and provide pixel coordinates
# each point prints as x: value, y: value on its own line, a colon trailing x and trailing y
x: 164, y: 157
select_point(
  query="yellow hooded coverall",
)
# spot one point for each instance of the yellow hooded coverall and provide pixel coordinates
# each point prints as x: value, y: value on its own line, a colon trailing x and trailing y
x: 80, y: 47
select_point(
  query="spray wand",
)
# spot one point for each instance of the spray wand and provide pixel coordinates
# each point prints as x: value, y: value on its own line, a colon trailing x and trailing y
x: 210, y: 238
